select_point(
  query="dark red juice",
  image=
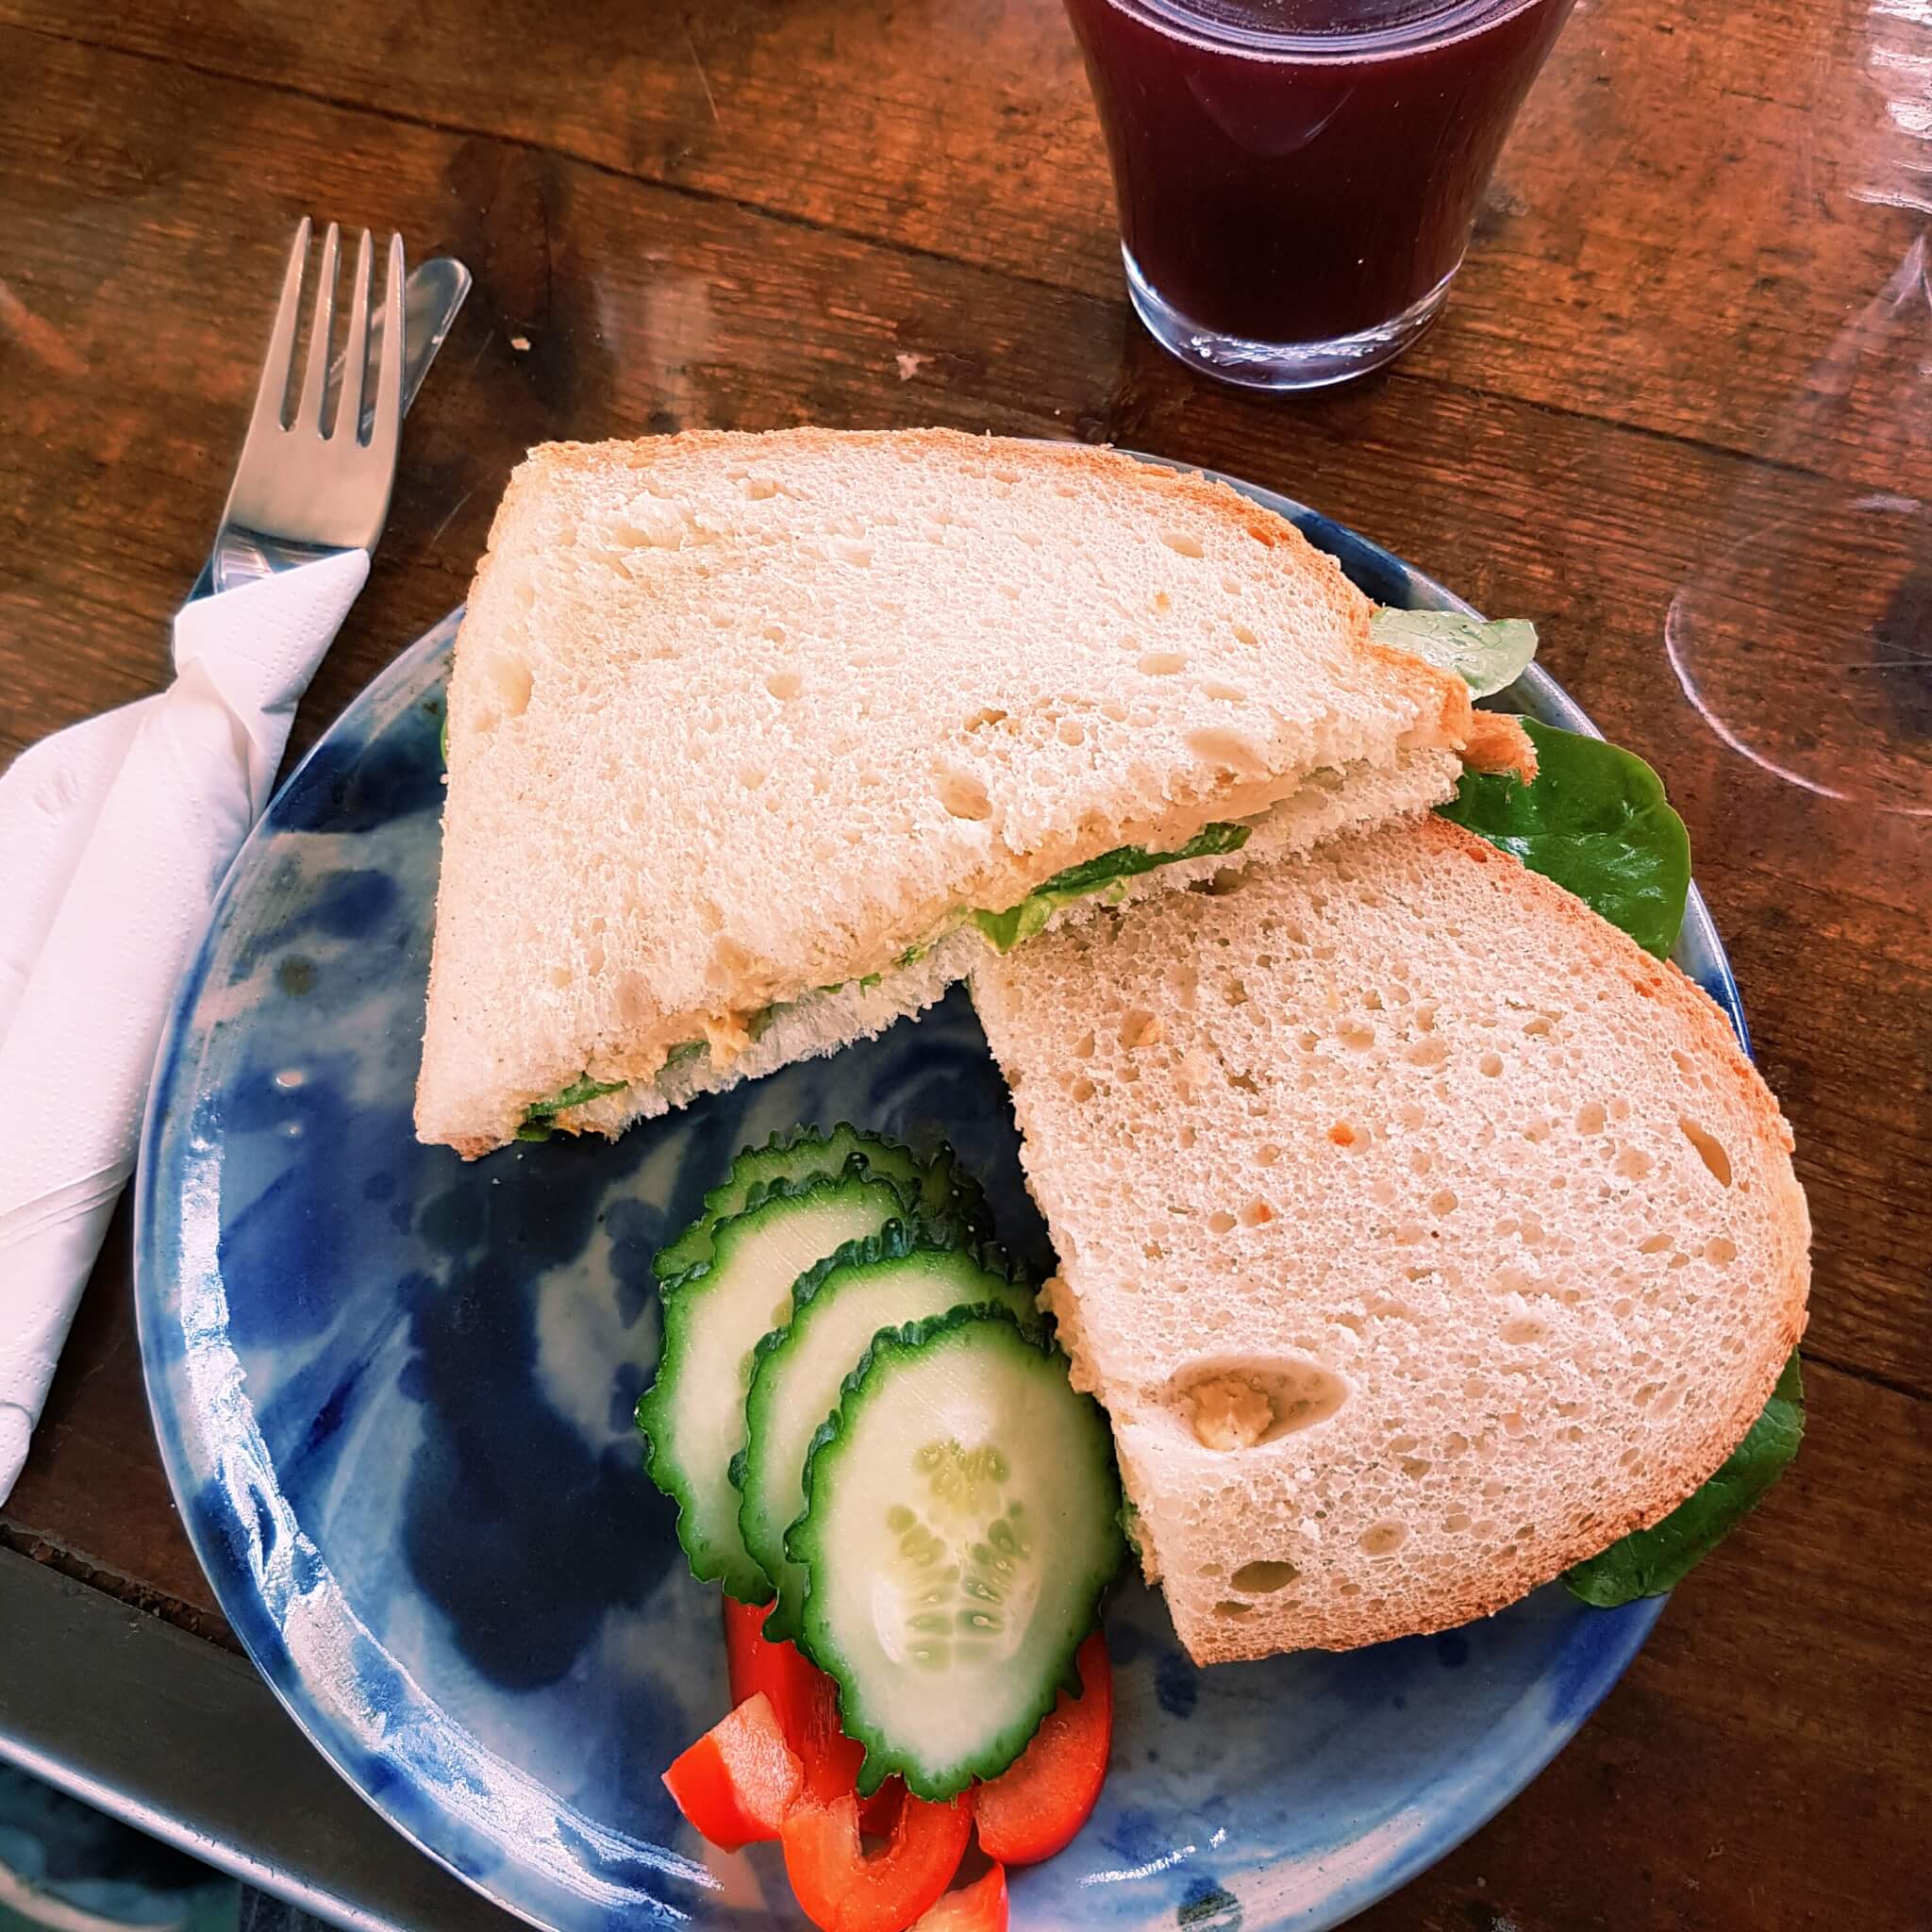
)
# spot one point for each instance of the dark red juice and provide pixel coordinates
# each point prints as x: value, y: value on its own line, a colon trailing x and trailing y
x: 1298, y: 171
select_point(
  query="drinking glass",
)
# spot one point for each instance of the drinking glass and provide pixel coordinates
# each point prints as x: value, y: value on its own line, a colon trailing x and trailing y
x: 1297, y: 179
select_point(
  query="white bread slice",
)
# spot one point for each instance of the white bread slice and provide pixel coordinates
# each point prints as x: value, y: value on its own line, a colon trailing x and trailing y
x: 823, y: 1021
x: 734, y: 717
x: 1420, y: 1232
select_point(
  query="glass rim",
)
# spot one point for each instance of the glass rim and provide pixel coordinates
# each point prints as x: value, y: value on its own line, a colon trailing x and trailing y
x: 1183, y: 20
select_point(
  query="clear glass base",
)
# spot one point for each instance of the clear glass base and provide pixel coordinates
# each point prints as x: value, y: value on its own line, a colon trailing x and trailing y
x: 1278, y: 365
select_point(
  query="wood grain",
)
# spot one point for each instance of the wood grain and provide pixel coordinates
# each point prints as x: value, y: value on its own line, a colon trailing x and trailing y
x: 1578, y: 295
x: 766, y: 213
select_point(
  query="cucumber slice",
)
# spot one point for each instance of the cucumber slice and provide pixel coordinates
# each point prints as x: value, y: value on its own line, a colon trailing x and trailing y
x: 962, y: 1520
x: 882, y: 1282
x: 692, y: 1415
x: 934, y: 1189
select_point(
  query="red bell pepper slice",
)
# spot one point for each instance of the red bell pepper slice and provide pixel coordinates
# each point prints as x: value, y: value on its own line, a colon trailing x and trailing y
x: 735, y: 1784
x: 980, y: 1906
x: 807, y: 1704
x: 805, y: 1699
x: 1036, y: 1806
x: 842, y: 1888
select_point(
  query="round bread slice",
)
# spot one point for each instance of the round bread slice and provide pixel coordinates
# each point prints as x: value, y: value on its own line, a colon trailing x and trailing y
x: 1420, y: 1233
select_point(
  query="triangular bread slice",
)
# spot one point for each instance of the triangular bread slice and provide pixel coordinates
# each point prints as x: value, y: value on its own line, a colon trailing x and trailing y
x: 1420, y: 1233
x: 741, y: 727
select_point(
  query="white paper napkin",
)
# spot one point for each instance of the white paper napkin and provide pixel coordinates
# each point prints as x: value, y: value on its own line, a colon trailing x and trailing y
x: 113, y: 837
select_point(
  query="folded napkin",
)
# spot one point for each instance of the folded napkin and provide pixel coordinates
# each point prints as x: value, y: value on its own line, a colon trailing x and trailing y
x: 114, y: 835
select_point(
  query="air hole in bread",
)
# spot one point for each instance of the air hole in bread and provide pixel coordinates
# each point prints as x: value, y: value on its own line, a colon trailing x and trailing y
x: 1161, y: 664
x: 1539, y: 1026
x: 1188, y: 1136
x: 511, y: 680
x: 1443, y: 1200
x: 1415, y: 1467
x: 1142, y: 1028
x: 751, y: 776
x: 1490, y: 1063
x: 1232, y: 1610
x: 1357, y: 1034
x: 1711, y: 1150
x: 1720, y: 1250
x: 1183, y: 542
x: 1590, y: 1118
x: 1226, y: 750
x: 1249, y: 1404
x: 1268, y: 1153
x: 1383, y: 1539
x: 1083, y: 1047
x: 1344, y: 1134
x: 1633, y: 1164
x: 1072, y: 732
x: 1220, y: 1221
x: 1653, y: 1244
x: 784, y: 685
x: 1223, y: 693
x: 1257, y: 1213
x: 1082, y: 1091
x: 1113, y: 710
x: 1427, y: 1053
x: 1524, y: 1330
x: 962, y: 795
x: 1264, y: 1578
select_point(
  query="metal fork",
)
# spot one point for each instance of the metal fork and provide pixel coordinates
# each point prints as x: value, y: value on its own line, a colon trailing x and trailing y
x: 304, y: 488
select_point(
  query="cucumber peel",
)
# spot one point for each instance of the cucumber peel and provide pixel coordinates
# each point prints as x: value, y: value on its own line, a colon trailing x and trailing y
x: 962, y: 1523
x: 869, y: 1286
x: 692, y: 1417
x: 935, y: 1190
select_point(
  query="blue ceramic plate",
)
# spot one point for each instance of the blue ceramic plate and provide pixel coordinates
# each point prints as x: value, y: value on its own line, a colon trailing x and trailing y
x: 394, y: 1395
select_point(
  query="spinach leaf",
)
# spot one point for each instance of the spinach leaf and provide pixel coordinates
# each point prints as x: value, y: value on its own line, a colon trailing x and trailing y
x: 538, y: 1115
x: 1487, y: 656
x: 1111, y: 869
x: 1595, y: 820
x: 1656, y: 1559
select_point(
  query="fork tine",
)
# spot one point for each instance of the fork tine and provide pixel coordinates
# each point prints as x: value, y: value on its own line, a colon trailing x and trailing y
x: 356, y: 358
x: 316, y: 383
x: 272, y: 393
x: 387, y: 429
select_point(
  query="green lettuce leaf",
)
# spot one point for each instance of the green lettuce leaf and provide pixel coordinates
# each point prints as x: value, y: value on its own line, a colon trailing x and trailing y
x: 1657, y: 1560
x: 1597, y: 821
x: 1487, y: 655
x: 1111, y: 870
x: 538, y: 1115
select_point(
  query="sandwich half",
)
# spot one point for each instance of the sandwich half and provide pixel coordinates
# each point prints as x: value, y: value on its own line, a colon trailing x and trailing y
x: 1421, y: 1234
x: 757, y: 742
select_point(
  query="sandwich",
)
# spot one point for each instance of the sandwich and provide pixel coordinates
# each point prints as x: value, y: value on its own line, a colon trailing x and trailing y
x: 756, y: 743
x: 1421, y: 1233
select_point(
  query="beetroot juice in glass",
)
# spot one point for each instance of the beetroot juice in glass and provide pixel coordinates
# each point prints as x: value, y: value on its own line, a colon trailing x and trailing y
x: 1297, y: 179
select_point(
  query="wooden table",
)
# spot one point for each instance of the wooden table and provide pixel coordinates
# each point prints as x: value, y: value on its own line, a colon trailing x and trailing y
x: 1689, y: 332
